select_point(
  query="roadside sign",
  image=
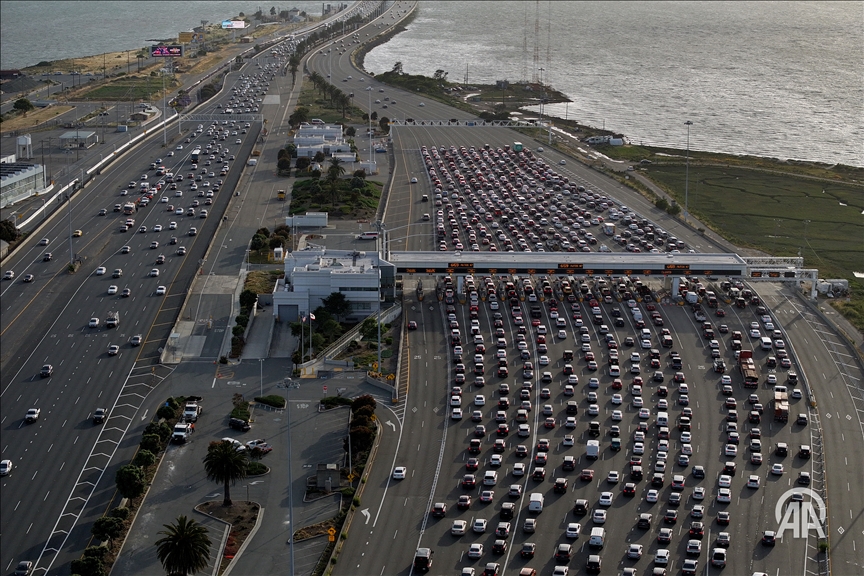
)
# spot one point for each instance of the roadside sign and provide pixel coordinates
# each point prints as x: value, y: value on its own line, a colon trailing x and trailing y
x: 350, y: 477
x: 325, y: 389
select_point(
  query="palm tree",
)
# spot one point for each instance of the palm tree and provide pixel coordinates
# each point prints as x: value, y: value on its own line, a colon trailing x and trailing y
x: 293, y: 64
x: 185, y: 547
x: 224, y: 463
x: 334, y: 172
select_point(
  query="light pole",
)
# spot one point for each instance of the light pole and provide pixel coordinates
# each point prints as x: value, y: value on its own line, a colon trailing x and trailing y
x: 261, y: 374
x: 688, y: 123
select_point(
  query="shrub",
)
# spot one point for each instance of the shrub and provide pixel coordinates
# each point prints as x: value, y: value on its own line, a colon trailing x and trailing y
x: 366, y: 400
x: 160, y: 429
x: 166, y: 412
x: 130, y: 481
x: 173, y: 403
x: 95, y: 552
x: 120, y: 512
x: 256, y: 469
x: 223, y: 360
x: 151, y: 442
x: 272, y: 400
x: 238, y: 330
x: 242, y: 320
x: 107, y: 528
x: 144, y: 458
x: 88, y: 566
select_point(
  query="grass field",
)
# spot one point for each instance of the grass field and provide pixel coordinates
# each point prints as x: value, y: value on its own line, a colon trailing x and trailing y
x: 777, y: 213
x: 128, y: 89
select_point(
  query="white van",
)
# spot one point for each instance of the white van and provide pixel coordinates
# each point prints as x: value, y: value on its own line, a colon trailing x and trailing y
x: 598, y: 538
x: 662, y: 419
x: 765, y: 343
x: 536, y: 502
x: 367, y: 236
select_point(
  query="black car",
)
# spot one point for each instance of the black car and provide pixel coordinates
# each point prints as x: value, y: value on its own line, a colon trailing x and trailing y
x: 239, y: 424
x: 528, y: 549
x: 47, y: 370
x: 99, y: 416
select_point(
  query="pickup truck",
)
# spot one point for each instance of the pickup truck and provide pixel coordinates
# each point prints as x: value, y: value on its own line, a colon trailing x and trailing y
x: 32, y: 415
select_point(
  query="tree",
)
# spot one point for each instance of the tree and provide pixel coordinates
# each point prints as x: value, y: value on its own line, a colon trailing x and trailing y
x: 273, y: 11
x: 8, y: 232
x: 144, y: 458
x: 88, y: 566
x: 284, y: 165
x: 397, y: 68
x: 248, y: 299
x: 184, y: 548
x: 384, y: 123
x: 361, y: 438
x: 23, y: 105
x: 440, y: 75
x: 224, y: 463
x: 130, y: 481
x: 362, y: 402
x: 351, y: 131
x: 277, y: 242
x: 303, y: 162
x: 374, y: 116
x: 300, y: 115
x: 107, y: 528
x: 337, y: 305
x: 293, y: 65
x: 258, y: 242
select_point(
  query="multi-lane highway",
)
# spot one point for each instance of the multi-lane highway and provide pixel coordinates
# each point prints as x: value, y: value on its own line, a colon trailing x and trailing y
x: 47, y: 321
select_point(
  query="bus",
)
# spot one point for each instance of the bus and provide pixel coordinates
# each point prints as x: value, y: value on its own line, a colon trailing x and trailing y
x: 195, y: 154
x: 517, y: 146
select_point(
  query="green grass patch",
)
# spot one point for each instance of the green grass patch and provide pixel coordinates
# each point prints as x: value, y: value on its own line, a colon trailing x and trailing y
x: 256, y: 469
x: 313, y: 195
x: 262, y: 281
x: 241, y: 411
x: 273, y: 400
x: 770, y: 211
x: 129, y: 88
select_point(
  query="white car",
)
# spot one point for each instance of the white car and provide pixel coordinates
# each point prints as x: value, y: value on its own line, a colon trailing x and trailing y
x: 543, y: 360
x: 661, y: 558
x: 644, y: 413
x: 687, y: 449
x: 518, y: 469
x: 479, y: 400
x: 161, y: 291
x: 724, y: 495
x: 573, y: 529
x: 599, y: 517
x: 638, y: 402
x: 753, y: 481
x: 617, y: 415
x: 5, y: 467
x: 593, y: 410
x: 730, y: 451
x: 479, y: 525
x: 606, y: 498
x: 777, y: 469
x: 400, y: 472
x: 154, y: 272
x: 634, y: 551
x: 613, y: 477
x: 475, y: 550
x: 698, y: 493
x: 652, y: 495
x: 725, y: 481
x: 686, y: 437
x: 112, y: 289
x: 617, y: 399
x: 100, y: 271
x: 459, y: 527
x: 638, y: 448
x: 456, y: 414
x: 725, y: 379
x: 94, y: 323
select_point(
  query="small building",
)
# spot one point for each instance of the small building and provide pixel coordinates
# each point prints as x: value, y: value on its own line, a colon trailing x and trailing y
x: 314, y: 274
x: 309, y: 220
x: 78, y: 139
x: 19, y: 181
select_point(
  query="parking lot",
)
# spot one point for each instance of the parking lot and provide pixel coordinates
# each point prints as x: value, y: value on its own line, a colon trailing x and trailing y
x: 525, y: 419
x: 501, y: 199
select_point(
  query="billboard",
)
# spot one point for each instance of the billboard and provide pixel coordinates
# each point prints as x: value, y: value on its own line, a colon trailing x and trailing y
x: 166, y: 51
x: 233, y: 24
x: 185, y: 37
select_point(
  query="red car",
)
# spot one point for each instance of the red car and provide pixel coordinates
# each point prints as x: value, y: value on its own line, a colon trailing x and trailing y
x: 587, y: 475
x: 412, y: 325
x: 259, y: 444
x: 720, y: 312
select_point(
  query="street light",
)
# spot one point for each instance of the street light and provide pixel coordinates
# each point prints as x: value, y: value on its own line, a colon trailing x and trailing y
x: 688, y: 123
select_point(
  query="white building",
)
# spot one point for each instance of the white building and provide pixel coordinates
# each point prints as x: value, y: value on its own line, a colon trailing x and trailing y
x: 312, y: 275
x: 326, y: 138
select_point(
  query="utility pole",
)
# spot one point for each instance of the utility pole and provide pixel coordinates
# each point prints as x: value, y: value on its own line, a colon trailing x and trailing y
x: 688, y: 123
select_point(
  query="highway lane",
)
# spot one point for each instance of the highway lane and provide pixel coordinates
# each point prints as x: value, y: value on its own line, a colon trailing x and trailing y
x: 831, y: 371
x: 46, y: 322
